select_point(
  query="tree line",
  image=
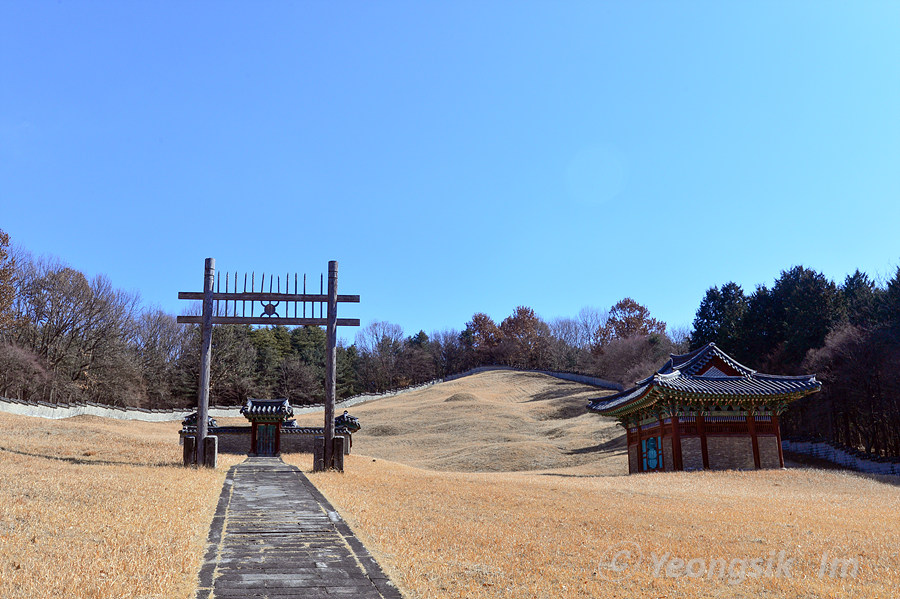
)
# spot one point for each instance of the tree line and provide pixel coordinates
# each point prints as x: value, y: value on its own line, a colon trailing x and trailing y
x: 849, y: 334
x: 64, y: 337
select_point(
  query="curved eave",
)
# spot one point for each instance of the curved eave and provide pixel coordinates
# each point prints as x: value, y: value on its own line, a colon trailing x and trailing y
x: 655, y: 392
x: 643, y: 398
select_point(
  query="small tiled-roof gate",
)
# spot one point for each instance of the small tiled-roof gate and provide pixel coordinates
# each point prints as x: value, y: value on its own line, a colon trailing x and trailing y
x: 705, y: 410
x: 275, y: 308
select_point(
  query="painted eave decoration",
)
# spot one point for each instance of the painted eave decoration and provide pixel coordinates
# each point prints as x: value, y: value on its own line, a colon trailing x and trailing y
x: 706, y: 375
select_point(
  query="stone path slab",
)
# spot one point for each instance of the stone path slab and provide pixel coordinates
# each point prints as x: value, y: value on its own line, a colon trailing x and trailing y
x: 275, y: 535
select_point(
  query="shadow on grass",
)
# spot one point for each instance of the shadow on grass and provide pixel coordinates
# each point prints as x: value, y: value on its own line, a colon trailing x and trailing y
x: 82, y: 461
x: 564, y: 389
x: 564, y: 475
x: 614, y: 444
x: 560, y: 389
x: 886, y: 479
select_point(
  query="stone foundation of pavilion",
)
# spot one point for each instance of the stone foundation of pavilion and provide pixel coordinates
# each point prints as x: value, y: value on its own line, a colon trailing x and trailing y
x: 714, y: 440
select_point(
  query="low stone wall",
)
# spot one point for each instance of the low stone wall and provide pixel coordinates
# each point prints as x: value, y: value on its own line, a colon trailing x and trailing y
x: 768, y: 451
x: 42, y: 409
x: 843, y: 457
x: 691, y: 453
x: 236, y: 440
x: 730, y: 453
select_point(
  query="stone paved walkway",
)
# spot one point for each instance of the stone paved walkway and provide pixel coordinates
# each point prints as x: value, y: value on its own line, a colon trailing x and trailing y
x: 274, y: 535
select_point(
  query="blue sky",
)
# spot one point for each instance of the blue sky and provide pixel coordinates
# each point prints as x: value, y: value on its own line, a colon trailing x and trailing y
x: 455, y: 157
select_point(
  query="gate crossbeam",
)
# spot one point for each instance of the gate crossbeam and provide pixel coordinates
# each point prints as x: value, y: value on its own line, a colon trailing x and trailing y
x: 321, y: 322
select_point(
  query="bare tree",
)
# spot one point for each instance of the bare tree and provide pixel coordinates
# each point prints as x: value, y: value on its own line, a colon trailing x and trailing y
x: 380, y: 346
x: 7, y: 283
x: 590, y: 320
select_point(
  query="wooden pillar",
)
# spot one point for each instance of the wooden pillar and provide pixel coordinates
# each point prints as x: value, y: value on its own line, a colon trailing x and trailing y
x: 678, y: 462
x: 640, y: 448
x: 205, y: 351
x: 751, y: 427
x: 777, y: 426
x: 701, y: 430
x: 330, y: 363
x: 253, y: 437
x: 628, y: 445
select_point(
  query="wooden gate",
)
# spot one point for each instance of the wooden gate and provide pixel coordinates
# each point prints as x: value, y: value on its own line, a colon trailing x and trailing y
x: 276, y: 306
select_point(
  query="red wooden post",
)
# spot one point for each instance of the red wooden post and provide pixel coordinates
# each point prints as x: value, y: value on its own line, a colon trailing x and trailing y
x: 678, y: 463
x: 628, y: 440
x: 640, y: 448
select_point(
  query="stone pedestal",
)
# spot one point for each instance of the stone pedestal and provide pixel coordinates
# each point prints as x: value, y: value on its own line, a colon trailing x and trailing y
x: 189, y: 451
x: 319, y: 454
x: 338, y: 454
x: 211, y: 451
x: 339, y: 448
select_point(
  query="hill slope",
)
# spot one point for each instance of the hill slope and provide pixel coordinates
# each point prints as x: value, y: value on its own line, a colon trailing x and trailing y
x: 489, y: 422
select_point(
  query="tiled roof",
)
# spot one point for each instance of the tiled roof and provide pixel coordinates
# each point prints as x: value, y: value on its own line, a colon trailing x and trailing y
x: 678, y: 376
x: 693, y: 362
x: 267, y: 408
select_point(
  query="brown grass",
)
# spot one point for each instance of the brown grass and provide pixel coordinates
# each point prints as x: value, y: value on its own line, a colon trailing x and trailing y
x: 543, y: 533
x: 491, y: 422
x: 91, y: 507
x: 98, y: 508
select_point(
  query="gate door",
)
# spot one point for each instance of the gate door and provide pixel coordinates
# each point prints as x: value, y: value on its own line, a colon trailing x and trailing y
x: 265, y: 439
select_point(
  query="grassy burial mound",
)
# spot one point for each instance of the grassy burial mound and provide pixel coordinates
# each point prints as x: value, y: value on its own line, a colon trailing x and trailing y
x: 91, y: 507
x: 500, y: 485
x: 491, y: 422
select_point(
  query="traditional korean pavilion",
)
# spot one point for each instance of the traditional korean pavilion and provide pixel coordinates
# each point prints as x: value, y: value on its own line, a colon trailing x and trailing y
x: 704, y: 410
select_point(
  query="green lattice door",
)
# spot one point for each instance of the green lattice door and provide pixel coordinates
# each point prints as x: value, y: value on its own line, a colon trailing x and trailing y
x: 265, y: 439
x: 651, y: 450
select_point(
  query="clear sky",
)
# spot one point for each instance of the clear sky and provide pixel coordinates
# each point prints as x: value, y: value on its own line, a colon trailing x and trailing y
x: 455, y: 157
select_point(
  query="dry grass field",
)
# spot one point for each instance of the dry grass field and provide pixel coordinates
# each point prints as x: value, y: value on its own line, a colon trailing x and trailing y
x: 495, y: 485
x: 499, y: 421
x: 447, y: 521
x: 91, y: 507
